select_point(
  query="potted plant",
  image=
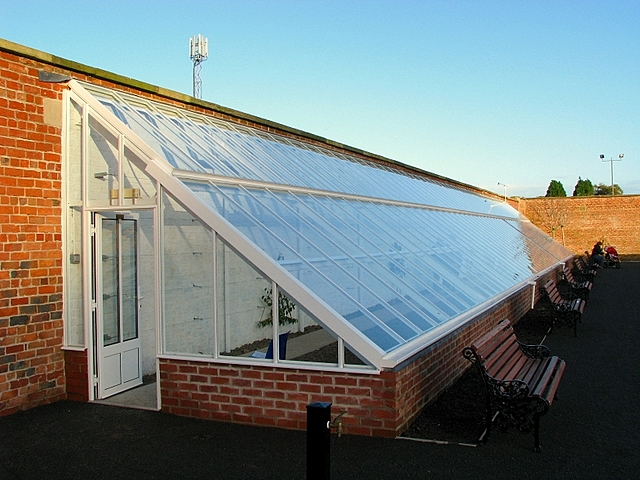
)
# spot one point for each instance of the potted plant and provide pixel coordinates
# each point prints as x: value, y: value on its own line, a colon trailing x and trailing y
x: 285, y: 309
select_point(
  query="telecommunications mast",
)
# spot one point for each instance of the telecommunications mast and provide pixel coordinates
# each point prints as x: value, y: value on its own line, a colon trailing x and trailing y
x: 199, y: 52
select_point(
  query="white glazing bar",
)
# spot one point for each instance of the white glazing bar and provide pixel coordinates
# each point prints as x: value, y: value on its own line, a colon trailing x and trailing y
x: 275, y: 323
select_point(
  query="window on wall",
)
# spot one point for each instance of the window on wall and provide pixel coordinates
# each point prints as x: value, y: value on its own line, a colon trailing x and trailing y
x: 73, y: 305
x: 187, y: 281
x: 101, y: 164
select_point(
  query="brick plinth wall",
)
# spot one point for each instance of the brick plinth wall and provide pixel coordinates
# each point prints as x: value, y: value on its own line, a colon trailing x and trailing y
x: 31, y: 360
x: 76, y: 366
x: 376, y: 405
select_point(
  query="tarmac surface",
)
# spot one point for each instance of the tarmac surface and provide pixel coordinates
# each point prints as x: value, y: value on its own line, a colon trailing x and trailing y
x: 591, y: 432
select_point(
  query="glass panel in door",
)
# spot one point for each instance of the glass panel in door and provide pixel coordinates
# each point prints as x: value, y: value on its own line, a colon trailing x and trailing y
x: 117, y: 271
x: 110, y: 322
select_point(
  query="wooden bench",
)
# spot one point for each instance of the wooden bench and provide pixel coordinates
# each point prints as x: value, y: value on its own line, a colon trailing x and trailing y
x: 587, y: 271
x: 579, y: 287
x: 566, y: 310
x: 520, y: 380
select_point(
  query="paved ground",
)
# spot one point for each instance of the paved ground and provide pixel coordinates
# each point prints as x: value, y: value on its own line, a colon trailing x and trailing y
x: 591, y: 432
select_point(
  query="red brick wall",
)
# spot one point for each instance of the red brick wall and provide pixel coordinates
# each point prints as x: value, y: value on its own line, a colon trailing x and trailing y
x: 31, y: 362
x: 376, y: 405
x: 76, y: 368
x: 585, y: 220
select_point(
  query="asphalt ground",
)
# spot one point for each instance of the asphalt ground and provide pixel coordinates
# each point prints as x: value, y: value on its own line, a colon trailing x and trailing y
x: 591, y: 432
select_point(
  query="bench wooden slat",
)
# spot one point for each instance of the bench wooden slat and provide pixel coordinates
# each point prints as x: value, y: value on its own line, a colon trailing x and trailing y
x: 509, y: 366
x: 552, y: 388
x: 502, y: 354
x: 491, y: 340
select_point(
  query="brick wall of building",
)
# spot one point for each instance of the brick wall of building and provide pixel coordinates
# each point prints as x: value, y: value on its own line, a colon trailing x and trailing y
x: 580, y: 222
x: 31, y: 361
x: 76, y: 368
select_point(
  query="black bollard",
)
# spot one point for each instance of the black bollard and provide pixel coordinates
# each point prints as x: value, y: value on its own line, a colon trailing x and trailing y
x: 318, y: 441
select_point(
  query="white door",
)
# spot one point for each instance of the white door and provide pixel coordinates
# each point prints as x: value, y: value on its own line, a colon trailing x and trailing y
x: 116, y: 289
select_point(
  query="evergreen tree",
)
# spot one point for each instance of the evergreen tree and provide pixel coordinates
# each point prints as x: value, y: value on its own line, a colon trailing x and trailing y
x: 555, y: 189
x: 583, y: 188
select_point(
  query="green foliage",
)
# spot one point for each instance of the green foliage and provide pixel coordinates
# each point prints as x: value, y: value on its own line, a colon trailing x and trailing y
x: 555, y: 189
x: 602, y: 189
x: 583, y: 188
x: 285, y: 309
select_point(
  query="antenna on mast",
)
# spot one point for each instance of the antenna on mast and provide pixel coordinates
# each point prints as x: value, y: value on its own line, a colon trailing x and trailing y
x: 199, y: 52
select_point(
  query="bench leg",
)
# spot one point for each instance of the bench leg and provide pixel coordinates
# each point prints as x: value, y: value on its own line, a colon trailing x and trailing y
x: 489, y: 422
x: 536, y: 432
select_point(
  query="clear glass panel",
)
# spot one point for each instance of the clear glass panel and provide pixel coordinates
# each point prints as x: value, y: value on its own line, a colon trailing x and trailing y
x: 392, y: 270
x: 540, y: 239
x: 139, y: 189
x: 73, y: 172
x: 74, y: 305
x: 102, y: 165
x: 187, y: 282
x: 147, y: 316
x: 109, y: 258
x: 312, y: 343
x: 244, y: 317
x: 129, y: 278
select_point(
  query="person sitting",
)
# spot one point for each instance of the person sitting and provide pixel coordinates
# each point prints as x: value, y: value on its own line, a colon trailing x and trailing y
x: 597, y: 254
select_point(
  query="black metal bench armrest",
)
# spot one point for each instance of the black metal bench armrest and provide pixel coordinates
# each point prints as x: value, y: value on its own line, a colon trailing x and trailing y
x: 506, y: 390
x: 535, y: 351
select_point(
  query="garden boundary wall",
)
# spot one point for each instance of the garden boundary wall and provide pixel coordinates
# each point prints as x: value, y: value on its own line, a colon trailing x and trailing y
x: 579, y: 222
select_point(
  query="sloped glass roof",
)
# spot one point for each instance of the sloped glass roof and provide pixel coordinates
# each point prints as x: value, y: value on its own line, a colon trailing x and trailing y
x: 396, y: 255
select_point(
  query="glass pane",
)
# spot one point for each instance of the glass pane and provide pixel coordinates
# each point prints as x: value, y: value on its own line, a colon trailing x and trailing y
x: 74, y: 305
x: 74, y: 154
x: 139, y: 189
x: 111, y: 325
x: 129, y: 277
x: 243, y: 310
x: 187, y: 282
x: 102, y: 165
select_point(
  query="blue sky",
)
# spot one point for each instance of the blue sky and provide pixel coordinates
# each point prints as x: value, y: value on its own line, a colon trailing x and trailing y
x: 484, y: 92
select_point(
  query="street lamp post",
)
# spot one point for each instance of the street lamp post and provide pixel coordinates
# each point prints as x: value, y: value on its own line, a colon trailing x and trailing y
x: 505, y: 191
x: 611, y: 160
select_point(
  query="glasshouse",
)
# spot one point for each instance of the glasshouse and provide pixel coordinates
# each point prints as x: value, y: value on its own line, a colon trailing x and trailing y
x: 188, y: 230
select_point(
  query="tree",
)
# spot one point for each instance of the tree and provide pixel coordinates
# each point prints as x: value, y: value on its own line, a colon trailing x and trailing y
x: 555, y: 189
x: 602, y: 189
x: 550, y: 214
x: 584, y: 188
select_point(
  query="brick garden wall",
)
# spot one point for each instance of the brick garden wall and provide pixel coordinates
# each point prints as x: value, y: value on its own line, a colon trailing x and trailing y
x: 31, y: 361
x: 582, y: 221
x: 376, y: 405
